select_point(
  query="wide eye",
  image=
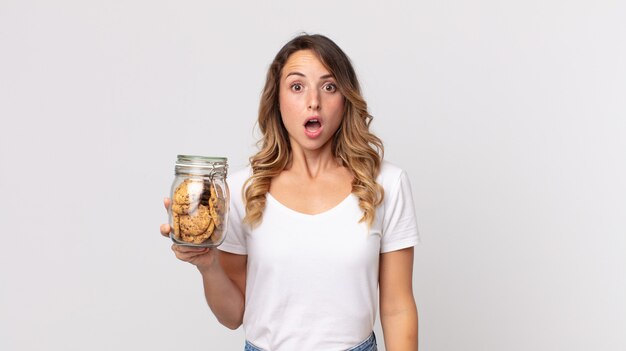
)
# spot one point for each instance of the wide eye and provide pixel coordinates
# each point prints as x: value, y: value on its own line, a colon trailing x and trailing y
x: 330, y: 87
x: 297, y: 87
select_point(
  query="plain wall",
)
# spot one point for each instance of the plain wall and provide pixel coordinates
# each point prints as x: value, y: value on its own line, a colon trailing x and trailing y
x: 509, y: 116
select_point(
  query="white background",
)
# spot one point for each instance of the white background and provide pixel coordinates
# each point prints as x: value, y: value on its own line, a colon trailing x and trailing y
x: 509, y: 116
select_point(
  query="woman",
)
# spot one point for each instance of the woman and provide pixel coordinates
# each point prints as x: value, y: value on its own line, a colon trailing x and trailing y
x: 322, y: 222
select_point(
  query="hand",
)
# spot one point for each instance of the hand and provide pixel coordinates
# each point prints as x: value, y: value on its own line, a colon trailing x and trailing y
x: 201, y: 257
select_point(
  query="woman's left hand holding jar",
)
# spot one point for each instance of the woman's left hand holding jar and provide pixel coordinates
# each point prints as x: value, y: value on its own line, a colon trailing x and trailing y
x: 201, y: 257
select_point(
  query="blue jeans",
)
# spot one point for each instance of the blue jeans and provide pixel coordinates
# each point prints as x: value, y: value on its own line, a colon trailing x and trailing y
x: 368, y: 345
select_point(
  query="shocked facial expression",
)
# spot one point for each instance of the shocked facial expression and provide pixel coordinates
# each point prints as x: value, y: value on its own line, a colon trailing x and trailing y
x: 311, y: 105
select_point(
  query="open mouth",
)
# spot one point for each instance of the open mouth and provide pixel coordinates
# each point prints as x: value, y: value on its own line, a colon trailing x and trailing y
x: 313, y: 125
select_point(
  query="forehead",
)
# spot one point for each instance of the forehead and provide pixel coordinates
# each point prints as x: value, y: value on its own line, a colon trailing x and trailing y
x: 304, y: 61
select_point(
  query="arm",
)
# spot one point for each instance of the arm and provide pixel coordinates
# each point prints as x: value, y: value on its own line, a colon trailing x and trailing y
x: 398, y: 313
x: 225, y: 286
x: 223, y: 277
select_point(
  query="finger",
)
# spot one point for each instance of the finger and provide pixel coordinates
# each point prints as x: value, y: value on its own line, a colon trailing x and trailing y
x: 191, y: 250
x: 187, y: 255
x: 167, y: 202
x: 165, y: 229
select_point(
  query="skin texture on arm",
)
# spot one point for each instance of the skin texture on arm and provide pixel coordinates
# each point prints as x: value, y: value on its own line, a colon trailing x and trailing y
x: 398, y: 312
x: 223, y: 278
x: 225, y: 286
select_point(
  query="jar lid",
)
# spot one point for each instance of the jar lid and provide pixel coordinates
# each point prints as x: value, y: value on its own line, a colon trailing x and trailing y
x: 193, y: 159
x: 201, y: 165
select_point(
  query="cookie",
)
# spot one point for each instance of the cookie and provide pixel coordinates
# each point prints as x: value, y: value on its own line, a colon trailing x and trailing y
x: 195, y: 223
x: 217, y: 234
x: 197, y: 239
x: 198, y: 210
x: 189, y: 192
x: 176, y: 224
x: 184, y: 209
x: 210, y: 228
x: 216, y: 205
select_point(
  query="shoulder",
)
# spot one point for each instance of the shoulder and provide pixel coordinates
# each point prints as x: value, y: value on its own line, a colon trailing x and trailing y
x: 239, y: 176
x: 389, y: 175
x: 236, y: 180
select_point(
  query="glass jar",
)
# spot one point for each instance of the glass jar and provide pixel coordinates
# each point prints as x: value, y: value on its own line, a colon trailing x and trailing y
x: 198, y: 213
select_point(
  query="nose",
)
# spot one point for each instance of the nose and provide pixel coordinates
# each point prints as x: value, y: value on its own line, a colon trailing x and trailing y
x: 314, y: 100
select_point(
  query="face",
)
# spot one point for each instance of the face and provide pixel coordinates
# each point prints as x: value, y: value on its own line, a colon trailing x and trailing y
x: 310, y: 102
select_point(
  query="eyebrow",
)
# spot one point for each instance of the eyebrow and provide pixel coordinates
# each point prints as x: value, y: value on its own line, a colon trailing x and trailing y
x: 326, y: 76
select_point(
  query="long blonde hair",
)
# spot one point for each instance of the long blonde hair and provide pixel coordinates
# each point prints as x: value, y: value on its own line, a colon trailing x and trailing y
x: 360, y: 151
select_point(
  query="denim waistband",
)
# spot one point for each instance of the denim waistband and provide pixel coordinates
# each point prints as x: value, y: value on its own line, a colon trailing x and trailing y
x: 368, y: 344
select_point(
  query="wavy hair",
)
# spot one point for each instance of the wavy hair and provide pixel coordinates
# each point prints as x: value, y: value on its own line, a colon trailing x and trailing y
x: 360, y: 150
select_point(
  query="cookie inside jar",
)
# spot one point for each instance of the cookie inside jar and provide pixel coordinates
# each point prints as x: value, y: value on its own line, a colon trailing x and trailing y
x: 198, y: 209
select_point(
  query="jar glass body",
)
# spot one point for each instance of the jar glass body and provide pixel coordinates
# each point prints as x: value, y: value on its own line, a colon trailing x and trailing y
x: 200, y: 199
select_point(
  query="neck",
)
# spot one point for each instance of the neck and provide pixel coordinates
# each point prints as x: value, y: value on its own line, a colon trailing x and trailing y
x: 312, y: 163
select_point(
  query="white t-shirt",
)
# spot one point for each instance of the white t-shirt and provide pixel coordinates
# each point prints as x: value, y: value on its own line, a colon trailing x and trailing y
x: 312, y: 280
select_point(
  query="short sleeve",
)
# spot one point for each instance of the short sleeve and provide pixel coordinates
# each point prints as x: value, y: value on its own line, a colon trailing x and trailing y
x: 235, y: 240
x: 399, y: 227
